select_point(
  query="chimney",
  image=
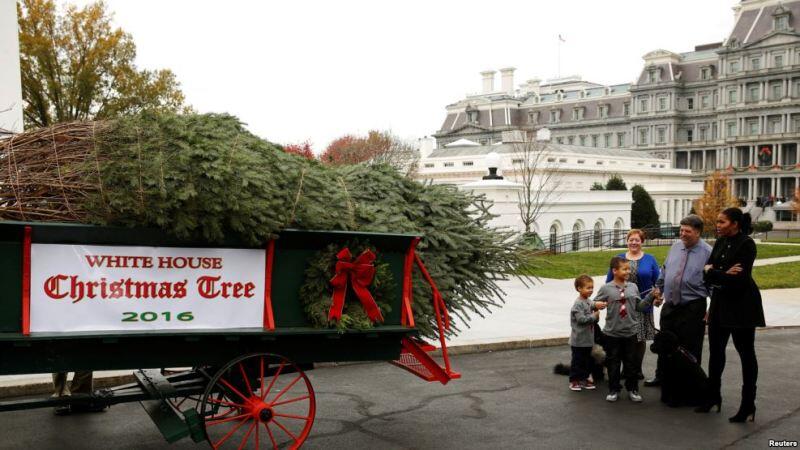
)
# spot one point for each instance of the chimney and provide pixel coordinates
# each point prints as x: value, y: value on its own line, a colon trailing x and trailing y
x: 426, y: 146
x: 533, y: 86
x: 488, y: 81
x: 507, y: 77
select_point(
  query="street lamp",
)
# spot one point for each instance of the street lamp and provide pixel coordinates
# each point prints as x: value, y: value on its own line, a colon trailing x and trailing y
x: 493, y: 163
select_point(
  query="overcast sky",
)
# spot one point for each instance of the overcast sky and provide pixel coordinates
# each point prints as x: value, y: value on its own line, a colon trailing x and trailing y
x: 302, y: 70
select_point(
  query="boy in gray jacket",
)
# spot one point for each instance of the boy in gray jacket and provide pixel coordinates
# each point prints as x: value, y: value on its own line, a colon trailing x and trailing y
x: 620, y: 328
x: 582, y: 317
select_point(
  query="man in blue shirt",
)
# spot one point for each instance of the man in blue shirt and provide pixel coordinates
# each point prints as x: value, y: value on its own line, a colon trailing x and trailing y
x: 684, y: 291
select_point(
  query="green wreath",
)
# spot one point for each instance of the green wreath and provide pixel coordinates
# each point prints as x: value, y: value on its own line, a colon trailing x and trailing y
x: 316, y: 292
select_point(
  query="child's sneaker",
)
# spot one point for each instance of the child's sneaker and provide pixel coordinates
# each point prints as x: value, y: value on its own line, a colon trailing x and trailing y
x: 634, y: 396
x: 574, y: 386
x: 588, y: 385
x: 612, y: 396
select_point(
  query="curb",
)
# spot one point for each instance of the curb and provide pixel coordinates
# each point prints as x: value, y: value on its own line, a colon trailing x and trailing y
x: 22, y: 390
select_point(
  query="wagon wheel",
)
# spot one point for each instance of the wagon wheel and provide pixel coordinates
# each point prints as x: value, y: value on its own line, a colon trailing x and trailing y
x: 182, y: 403
x: 260, y: 400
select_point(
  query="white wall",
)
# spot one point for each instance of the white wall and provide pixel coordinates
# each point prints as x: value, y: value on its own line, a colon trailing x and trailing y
x: 10, y: 82
x: 564, y: 210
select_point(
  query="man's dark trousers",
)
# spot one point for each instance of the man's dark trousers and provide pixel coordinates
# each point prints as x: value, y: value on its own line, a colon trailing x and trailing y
x: 686, y: 321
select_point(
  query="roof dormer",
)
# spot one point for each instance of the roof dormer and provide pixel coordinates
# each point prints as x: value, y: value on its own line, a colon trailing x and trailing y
x: 781, y: 19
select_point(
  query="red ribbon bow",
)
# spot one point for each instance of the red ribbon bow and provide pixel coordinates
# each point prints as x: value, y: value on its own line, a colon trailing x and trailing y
x: 360, y: 273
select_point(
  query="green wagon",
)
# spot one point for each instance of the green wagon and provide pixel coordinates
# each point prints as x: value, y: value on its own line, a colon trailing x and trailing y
x: 241, y: 385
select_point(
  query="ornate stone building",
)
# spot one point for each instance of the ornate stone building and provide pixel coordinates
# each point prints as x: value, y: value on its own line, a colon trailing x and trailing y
x: 732, y: 106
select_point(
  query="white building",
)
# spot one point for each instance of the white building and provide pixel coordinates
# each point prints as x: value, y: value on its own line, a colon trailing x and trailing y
x: 10, y: 81
x: 572, y: 206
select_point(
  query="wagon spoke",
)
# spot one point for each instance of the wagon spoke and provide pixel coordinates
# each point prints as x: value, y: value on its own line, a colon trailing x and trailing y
x: 247, y: 435
x: 246, y: 381
x: 271, y: 437
x: 289, y: 386
x: 272, y: 382
x: 286, y: 402
x: 285, y: 430
x: 224, y: 403
x: 258, y: 446
x: 240, y: 417
x: 229, y: 386
x: 215, y: 416
x: 261, y: 376
x: 291, y: 416
x: 230, y: 433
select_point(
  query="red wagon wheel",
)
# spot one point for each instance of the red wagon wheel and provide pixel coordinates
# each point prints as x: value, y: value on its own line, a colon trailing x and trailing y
x: 258, y: 401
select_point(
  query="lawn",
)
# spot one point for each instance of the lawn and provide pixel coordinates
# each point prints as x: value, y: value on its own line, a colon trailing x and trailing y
x: 569, y: 265
x: 777, y: 276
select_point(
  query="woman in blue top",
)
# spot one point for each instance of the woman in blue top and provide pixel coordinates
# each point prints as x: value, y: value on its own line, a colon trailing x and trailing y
x: 644, y: 273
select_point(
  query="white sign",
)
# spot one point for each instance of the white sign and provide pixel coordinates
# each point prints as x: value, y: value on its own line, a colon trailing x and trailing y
x: 97, y: 288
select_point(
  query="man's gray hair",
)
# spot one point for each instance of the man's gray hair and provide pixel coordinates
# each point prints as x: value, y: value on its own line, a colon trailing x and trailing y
x: 694, y: 221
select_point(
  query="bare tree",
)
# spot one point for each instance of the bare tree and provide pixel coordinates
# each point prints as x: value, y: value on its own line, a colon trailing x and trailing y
x: 536, y: 169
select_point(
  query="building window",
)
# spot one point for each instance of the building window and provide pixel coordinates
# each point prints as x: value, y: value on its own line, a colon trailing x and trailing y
x: 705, y: 74
x: 661, y: 135
x: 602, y: 111
x: 599, y: 163
x: 583, y: 141
x: 552, y: 160
x: 620, y: 139
x: 752, y: 127
x: 533, y: 117
x: 733, y: 97
x: 449, y: 164
x: 704, y: 101
x: 595, y: 140
x: 689, y: 103
x: 777, y: 61
x: 581, y: 161
x: 731, y: 129
x: 607, y: 140
x: 702, y: 133
x: 643, y: 105
x: 776, y: 92
x: 662, y: 103
x: 571, y: 140
x: 752, y: 93
x: 467, y: 163
x: 562, y: 160
x: 781, y: 22
x: 554, y: 116
x: 626, y: 108
x: 733, y: 66
x: 560, y: 140
x: 642, y: 136
x: 429, y: 165
x: 517, y: 161
x: 755, y: 63
x: 653, y: 75
x: 689, y: 135
x: 472, y: 116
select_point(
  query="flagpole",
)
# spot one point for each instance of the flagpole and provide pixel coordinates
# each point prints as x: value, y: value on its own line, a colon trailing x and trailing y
x: 559, y: 58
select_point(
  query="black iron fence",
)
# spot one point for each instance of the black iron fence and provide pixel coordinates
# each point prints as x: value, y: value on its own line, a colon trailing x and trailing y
x: 778, y: 235
x: 587, y: 240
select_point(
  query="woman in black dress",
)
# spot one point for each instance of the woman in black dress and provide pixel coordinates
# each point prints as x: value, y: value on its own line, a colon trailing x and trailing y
x: 735, y: 309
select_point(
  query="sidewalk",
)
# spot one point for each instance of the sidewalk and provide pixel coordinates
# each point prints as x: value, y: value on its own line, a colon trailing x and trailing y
x: 532, y: 316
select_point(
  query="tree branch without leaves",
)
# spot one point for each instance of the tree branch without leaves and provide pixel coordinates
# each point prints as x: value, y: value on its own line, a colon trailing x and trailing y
x: 536, y: 169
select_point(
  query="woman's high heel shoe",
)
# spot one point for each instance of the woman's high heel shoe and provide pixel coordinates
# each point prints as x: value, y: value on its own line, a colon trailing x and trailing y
x: 709, y: 405
x: 746, y: 413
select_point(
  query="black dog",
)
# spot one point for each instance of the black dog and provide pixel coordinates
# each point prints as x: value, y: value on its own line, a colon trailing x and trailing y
x: 597, y: 363
x: 683, y: 381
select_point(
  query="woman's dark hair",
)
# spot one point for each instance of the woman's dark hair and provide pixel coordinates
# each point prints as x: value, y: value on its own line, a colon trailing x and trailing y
x: 743, y: 219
